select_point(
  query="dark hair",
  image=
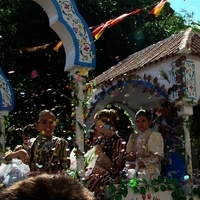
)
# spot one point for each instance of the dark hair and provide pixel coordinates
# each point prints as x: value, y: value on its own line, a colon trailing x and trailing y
x: 145, y: 113
x: 30, y: 130
x: 47, y: 187
x: 169, y: 105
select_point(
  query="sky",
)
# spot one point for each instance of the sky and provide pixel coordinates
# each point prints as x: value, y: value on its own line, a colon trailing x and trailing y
x: 189, y: 5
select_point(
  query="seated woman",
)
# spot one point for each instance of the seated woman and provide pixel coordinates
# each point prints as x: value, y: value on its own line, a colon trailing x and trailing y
x: 109, y: 150
x: 145, y: 150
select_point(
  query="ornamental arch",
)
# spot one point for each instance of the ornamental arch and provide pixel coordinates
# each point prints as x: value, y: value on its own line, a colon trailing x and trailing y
x: 79, y: 47
x: 73, y: 31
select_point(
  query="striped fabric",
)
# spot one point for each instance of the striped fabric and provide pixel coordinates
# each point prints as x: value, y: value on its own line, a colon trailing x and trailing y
x: 108, y: 166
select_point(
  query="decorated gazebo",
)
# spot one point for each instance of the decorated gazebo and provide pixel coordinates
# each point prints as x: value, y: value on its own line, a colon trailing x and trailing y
x: 168, y: 69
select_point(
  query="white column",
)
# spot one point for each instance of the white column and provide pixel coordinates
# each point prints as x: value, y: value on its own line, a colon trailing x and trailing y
x: 79, y: 132
x: 188, y: 155
x: 186, y: 111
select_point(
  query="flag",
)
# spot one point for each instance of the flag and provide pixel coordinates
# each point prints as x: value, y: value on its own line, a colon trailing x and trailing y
x: 121, y: 17
x: 99, y: 30
x: 156, y: 10
x: 58, y: 46
x: 32, y: 49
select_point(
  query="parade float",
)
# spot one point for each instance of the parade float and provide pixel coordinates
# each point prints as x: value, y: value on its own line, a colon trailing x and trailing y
x: 166, y: 70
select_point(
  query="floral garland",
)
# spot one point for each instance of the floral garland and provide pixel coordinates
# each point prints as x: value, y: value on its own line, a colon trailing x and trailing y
x: 113, y: 89
x: 88, y: 90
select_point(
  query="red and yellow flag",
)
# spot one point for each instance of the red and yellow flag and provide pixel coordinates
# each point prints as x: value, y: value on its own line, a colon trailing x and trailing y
x: 156, y: 10
x: 100, y: 29
x: 58, y: 46
x: 121, y: 17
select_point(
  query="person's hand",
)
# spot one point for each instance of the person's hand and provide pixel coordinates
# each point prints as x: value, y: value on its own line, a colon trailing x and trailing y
x: 98, y: 150
x: 23, y: 156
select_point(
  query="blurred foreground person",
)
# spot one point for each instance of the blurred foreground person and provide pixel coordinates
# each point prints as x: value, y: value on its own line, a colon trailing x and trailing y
x: 47, y: 187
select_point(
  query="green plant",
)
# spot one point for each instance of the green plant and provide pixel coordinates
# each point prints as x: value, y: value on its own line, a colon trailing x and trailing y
x: 142, y: 186
x: 164, y: 75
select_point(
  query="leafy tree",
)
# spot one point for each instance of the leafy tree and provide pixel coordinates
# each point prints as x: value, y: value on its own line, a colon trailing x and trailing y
x: 190, y: 20
x: 133, y: 33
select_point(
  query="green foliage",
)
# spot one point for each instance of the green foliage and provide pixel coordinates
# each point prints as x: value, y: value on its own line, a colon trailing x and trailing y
x: 132, y: 34
x: 156, y: 185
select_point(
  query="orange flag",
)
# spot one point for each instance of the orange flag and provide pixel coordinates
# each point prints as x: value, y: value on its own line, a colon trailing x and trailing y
x: 100, y: 29
x: 58, y: 46
x: 156, y: 10
x: 121, y: 17
x: 32, y: 49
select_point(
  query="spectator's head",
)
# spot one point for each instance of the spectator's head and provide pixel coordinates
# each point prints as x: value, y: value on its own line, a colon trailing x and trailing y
x: 47, y: 187
x: 167, y: 108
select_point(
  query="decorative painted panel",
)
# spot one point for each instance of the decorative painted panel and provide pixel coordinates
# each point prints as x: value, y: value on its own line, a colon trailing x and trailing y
x: 73, y: 31
x: 184, y: 79
x: 6, y: 94
x: 83, y: 41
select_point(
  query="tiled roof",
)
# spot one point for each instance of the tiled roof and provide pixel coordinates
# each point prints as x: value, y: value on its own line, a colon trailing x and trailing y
x: 186, y: 42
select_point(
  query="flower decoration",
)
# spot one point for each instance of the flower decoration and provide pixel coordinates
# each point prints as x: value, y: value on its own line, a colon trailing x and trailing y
x: 83, y: 72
